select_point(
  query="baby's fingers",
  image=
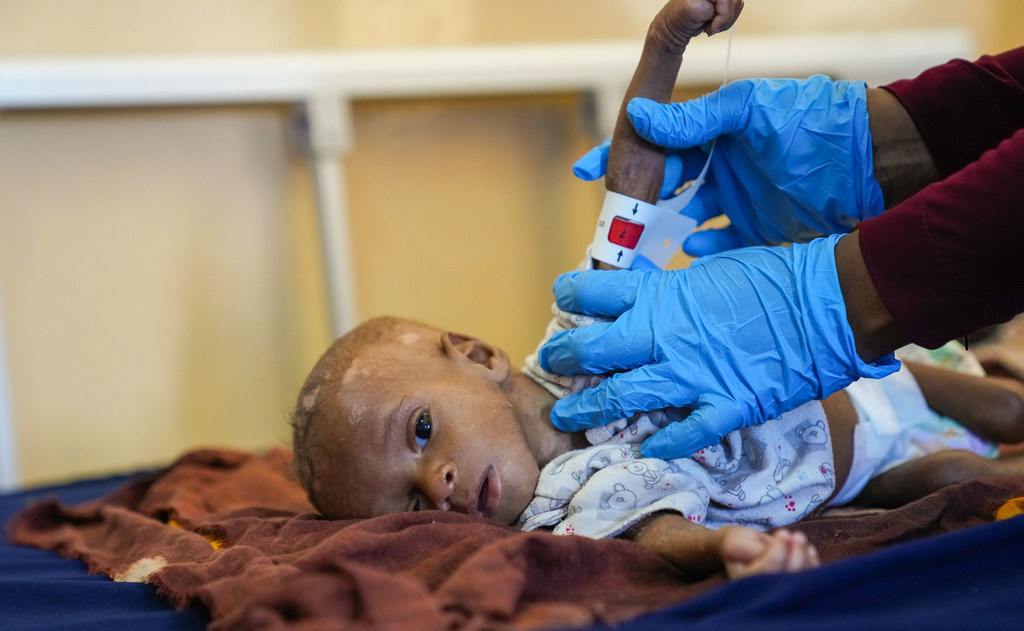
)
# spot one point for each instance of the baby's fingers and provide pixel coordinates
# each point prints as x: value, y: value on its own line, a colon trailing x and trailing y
x: 800, y: 554
x: 726, y: 13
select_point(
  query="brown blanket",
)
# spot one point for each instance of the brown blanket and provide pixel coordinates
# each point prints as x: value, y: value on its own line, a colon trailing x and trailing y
x: 234, y: 532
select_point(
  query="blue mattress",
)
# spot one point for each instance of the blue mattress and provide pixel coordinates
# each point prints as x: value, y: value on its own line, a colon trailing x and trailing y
x: 40, y: 590
x: 968, y: 579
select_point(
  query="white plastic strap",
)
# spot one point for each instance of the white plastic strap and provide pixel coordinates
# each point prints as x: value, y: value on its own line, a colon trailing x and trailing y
x: 628, y: 227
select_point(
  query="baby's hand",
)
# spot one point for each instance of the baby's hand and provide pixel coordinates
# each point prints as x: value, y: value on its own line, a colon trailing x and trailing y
x: 726, y: 13
x: 746, y: 552
x: 679, y: 20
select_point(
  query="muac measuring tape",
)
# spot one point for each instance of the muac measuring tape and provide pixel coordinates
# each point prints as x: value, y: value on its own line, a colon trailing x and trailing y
x: 627, y: 227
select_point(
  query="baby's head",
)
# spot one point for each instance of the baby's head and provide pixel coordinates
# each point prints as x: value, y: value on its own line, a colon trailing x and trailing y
x: 400, y: 416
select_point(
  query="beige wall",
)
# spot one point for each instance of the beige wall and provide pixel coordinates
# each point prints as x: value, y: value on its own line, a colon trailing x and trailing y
x: 159, y: 267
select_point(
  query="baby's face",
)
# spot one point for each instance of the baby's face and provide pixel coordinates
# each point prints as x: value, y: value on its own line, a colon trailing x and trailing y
x: 423, y: 422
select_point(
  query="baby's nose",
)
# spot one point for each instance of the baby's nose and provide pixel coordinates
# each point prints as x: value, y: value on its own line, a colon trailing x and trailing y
x: 439, y: 484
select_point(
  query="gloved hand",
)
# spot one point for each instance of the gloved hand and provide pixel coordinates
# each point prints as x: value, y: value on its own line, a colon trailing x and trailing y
x: 740, y: 337
x: 793, y: 159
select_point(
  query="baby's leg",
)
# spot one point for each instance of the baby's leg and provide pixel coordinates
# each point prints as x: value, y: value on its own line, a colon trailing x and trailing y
x: 991, y: 407
x: 917, y: 478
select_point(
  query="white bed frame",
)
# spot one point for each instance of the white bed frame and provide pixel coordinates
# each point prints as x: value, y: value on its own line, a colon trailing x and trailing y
x: 323, y: 84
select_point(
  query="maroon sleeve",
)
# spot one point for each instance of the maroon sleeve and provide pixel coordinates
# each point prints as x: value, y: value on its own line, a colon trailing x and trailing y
x: 950, y: 259
x: 963, y: 109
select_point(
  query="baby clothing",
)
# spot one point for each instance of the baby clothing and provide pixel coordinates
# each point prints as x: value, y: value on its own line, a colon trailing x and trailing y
x: 895, y: 424
x: 765, y: 476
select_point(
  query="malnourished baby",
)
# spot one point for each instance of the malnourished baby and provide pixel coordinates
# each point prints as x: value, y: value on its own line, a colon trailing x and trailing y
x: 400, y: 416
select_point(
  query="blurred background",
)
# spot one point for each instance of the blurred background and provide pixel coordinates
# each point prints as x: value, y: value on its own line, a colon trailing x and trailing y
x: 161, y: 285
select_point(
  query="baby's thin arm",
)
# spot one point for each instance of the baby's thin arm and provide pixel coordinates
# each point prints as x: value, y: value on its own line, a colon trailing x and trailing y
x: 740, y: 551
x: 635, y: 166
x: 690, y: 547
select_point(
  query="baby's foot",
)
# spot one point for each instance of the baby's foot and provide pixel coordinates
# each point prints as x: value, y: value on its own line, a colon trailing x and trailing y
x: 746, y: 552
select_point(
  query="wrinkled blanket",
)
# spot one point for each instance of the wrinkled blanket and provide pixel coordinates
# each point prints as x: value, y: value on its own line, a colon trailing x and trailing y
x: 234, y: 532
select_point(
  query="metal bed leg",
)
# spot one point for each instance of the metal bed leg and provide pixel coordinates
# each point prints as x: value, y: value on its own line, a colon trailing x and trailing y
x: 8, y: 461
x: 329, y: 129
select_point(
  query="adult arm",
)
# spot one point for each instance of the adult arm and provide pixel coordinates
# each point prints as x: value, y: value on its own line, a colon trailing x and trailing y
x: 963, y: 109
x: 946, y: 260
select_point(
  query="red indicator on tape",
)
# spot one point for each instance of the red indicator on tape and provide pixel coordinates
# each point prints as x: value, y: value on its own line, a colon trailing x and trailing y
x: 625, y: 232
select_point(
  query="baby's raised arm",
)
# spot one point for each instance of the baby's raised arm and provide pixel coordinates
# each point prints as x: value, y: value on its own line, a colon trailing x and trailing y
x: 635, y: 166
x: 635, y: 169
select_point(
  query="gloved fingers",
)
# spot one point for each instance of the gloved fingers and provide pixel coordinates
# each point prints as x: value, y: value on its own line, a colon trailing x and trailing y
x: 678, y: 170
x: 694, y: 158
x: 600, y: 348
x: 681, y: 166
x: 620, y: 396
x: 641, y: 262
x: 712, y: 241
x: 704, y: 205
x: 594, y: 163
x: 674, y: 175
x: 695, y: 122
x: 572, y: 415
x: 597, y: 292
x: 683, y: 438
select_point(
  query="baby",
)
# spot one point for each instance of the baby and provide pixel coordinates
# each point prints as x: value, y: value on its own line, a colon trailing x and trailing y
x: 400, y: 416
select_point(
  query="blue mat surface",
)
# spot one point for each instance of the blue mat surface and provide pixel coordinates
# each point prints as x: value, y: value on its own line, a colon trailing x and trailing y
x: 968, y: 579
x: 40, y: 590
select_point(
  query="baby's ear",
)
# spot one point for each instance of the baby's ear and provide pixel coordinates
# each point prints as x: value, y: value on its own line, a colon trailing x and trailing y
x: 476, y: 352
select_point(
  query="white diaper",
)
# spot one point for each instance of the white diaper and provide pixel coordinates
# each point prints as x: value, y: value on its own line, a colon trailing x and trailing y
x: 895, y: 425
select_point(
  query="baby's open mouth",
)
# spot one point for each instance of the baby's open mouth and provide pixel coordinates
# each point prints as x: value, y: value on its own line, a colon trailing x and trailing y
x: 481, y: 502
x: 487, y: 496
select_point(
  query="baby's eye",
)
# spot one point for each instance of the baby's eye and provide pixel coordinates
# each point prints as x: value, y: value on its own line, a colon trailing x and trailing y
x: 421, y: 434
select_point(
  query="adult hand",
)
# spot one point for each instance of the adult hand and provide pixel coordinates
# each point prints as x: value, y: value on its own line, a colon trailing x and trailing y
x: 792, y: 160
x: 739, y: 337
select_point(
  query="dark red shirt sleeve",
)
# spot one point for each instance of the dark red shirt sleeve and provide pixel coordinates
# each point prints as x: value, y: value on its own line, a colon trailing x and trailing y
x: 950, y: 259
x: 963, y: 109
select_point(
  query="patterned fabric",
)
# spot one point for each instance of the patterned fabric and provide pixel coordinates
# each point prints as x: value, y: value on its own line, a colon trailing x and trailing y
x: 764, y: 477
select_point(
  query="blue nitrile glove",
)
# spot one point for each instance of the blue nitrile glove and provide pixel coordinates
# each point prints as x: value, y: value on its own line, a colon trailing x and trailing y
x: 740, y: 337
x: 792, y: 160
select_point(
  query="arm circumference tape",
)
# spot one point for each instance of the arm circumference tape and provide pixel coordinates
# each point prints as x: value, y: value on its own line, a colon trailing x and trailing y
x: 628, y: 226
